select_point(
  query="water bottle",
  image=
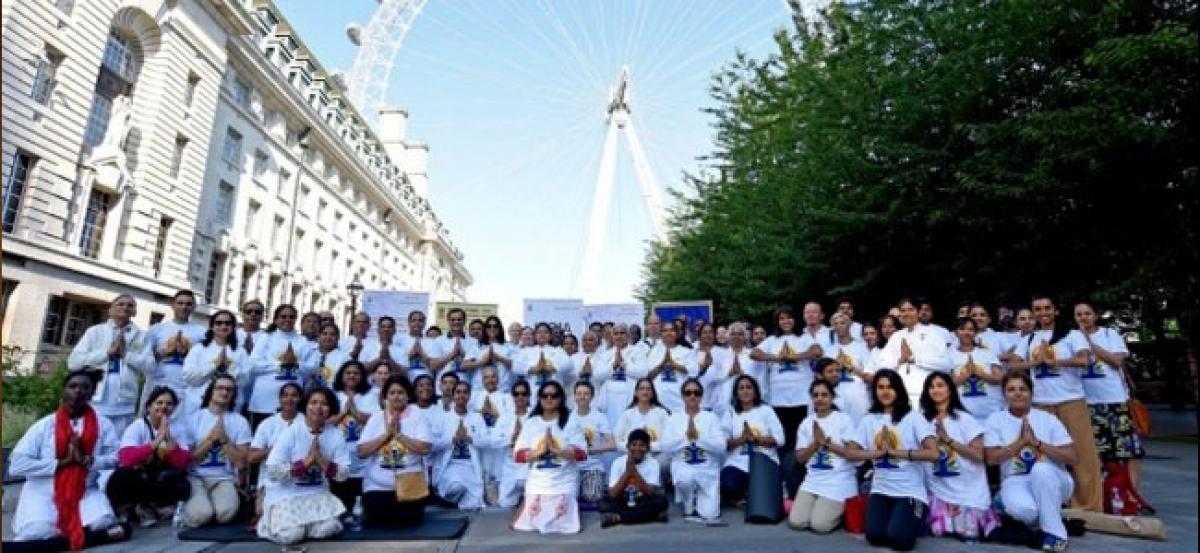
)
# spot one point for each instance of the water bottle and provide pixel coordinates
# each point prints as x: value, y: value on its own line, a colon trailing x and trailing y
x: 177, y: 525
x: 356, y: 518
x: 1118, y: 504
x: 631, y: 496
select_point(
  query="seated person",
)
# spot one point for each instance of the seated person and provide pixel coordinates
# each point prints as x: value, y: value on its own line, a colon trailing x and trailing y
x: 60, y: 456
x: 152, y: 463
x: 634, y: 489
x: 222, y: 444
x: 306, y: 457
x: 458, y: 474
x: 394, y: 444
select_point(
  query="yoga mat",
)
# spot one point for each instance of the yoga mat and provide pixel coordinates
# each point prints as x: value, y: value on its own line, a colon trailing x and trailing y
x: 440, y: 528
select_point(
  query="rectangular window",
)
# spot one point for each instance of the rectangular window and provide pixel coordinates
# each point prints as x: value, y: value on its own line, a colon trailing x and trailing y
x: 189, y: 95
x: 240, y: 91
x: 277, y: 235
x: 52, y: 327
x: 80, y: 316
x: 298, y: 244
x: 181, y: 143
x: 260, y: 163
x: 118, y: 57
x: 285, y: 185
x: 305, y: 194
x: 337, y: 224
x: 318, y: 249
x: 322, y: 206
x: 212, y: 277
x: 10, y: 286
x: 97, y: 120
x: 224, y: 211
x: 232, y: 152
x: 94, y: 220
x: 251, y: 219
x: 247, y: 276
x: 45, y: 79
x: 160, y: 244
x: 15, y: 187
x: 272, y: 291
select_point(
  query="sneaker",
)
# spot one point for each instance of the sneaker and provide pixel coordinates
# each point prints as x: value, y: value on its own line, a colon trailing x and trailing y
x: 147, y: 516
x: 610, y: 520
x: 715, y: 523
x: 1053, y: 544
x: 693, y: 518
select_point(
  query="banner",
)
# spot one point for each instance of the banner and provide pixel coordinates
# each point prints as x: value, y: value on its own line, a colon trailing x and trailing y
x: 565, y: 314
x: 395, y: 304
x: 628, y: 313
x: 474, y: 311
x: 691, y: 311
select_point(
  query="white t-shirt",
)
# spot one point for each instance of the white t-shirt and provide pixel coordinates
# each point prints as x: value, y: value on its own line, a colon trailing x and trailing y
x: 550, y: 475
x: 648, y: 469
x: 830, y: 476
x: 216, y: 465
x: 1053, y: 385
x: 896, y: 477
x: 381, y: 468
x: 592, y: 425
x: 1101, y: 382
x: 654, y: 422
x: 1002, y: 428
x: 787, y: 383
x: 139, y: 433
x: 293, y: 445
x: 956, y: 479
x: 763, y: 422
x: 981, y: 398
x: 266, y: 436
x: 853, y: 398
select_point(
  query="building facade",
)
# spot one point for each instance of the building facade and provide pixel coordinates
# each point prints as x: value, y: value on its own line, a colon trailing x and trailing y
x: 153, y: 145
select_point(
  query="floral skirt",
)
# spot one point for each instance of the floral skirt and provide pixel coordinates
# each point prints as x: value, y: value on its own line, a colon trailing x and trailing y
x: 1116, y: 438
x: 549, y: 514
x: 298, y: 517
x: 966, y: 522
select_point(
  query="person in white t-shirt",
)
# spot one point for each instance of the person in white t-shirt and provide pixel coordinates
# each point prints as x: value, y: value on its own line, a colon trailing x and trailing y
x: 976, y: 372
x: 830, y: 478
x: 222, y: 441
x: 750, y: 427
x: 897, y: 440
x: 394, y: 444
x: 960, y: 502
x: 634, y: 489
x: 1108, y: 387
x: 1032, y: 448
x: 266, y: 435
x: 600, y: 445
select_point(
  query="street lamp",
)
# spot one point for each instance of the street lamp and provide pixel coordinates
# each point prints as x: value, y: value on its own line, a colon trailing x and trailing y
x: 355, y: 288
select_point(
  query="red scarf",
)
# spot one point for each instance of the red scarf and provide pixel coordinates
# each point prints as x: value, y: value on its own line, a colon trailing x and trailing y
x: 71, y: 481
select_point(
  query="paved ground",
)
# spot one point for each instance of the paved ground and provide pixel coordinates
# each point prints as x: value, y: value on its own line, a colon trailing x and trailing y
x: 1170, y: 482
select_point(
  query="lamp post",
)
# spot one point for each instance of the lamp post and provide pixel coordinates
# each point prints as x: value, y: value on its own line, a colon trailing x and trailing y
x: 355, y: 288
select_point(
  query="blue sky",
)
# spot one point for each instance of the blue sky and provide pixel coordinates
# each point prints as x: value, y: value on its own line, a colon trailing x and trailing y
x: 510, y: 96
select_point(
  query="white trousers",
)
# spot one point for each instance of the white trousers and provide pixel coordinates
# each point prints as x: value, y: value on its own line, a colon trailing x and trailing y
x: 1037, y: 498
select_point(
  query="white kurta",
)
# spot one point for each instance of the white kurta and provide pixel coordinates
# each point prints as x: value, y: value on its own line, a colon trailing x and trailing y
x: 581, y: 362
x: 34, y: 457
x: 696, y: 464
x: 548, y: 474
x: 200, y: 367
x: 179, y: 339
x: 557, y: 362
x: 929, y: 354
x: 668, y: 382
x: 117, y: 393
x: 458, y: 466
x: 322, y: 366
x: 853, y: 397
x: 718, y: 382
x: 470, y: 348
x: 298, y: 501
x: 503, y: 370
x: 270, y: 371
x: 615, y: 391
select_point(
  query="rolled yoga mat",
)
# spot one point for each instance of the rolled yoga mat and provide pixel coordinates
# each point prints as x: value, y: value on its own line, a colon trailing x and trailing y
x: 765, y: 503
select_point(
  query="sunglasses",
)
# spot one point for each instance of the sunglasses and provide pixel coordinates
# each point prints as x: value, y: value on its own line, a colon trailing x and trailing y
x: 549, y: 396
x: 693, y: 393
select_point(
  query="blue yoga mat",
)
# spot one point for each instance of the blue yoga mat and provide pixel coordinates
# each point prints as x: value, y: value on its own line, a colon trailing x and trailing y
x: 440, y: 528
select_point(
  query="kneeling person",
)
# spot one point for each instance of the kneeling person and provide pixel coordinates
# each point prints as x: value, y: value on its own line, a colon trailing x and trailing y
x: 634, y: 490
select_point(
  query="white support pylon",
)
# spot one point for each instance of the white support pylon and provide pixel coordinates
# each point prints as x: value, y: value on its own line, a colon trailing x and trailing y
x: 619, y: 122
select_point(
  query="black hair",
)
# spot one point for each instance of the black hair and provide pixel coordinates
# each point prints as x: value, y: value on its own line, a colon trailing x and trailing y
x: 895, y: 324
x: 822, y: 363
x: 843, y: 299
x: 653, y: 394
x: 415, y: 312
x: 928, y: 408
x: 816, y: 383
x: 434, y: 328
x: 692, y: 380
x: 1060, y: 330
x: 737, y: 405
x: 208, y: 334
x: 1019, y: 374
x: 284, y: 388
x: 208, y: 391
x: 403, y: 382
x: 563, y: 413
x: 334, y: 326
x: 781, y: 311
x: 520, y: 382
x: 275, y: 315
x: 184, y: 292
x: 339, y: 379
x: 586, y: 384
x: 484, y: 340
x: 158, y: 391
x: 964, y: 321
x: 681, y: 332
x: 432, y: 384
x: 638, y: 435
x: 330, y: 397
x: 901, y: 406
x: 93, y: 375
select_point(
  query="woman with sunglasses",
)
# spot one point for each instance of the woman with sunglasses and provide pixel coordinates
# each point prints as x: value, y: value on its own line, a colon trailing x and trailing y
x: 751, y: 426
x: 696, y: 441
x: 493, y: 352
x: 551, y: 446
x: 265, y: 437
x: 218, y: 353
x: 512, y: 473
x: 960, y: 502
x: 821, y: 447
x: 307, y: 457
x: 276, y: 360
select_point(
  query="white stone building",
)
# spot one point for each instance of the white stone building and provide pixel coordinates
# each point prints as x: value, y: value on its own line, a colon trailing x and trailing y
x: 152, y: 145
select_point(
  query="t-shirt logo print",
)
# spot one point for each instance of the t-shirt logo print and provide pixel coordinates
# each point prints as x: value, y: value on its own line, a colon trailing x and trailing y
x: 393, y: 455
x: 216, y: 455
x: 886, y: 439
x: 289, y: 364
x: 821, y: 459
x: 1024, y: 460
x: 547, y: 460
x: 786, y: 353
x: 947, y: 462
x: 176, y: 349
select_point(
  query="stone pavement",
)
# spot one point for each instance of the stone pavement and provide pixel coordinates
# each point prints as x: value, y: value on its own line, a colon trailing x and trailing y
x: 1170, y: 482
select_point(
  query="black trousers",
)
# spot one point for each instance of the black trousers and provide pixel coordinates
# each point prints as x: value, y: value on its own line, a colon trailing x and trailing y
x: 734, y: 485
x: 159, y: 487
x: 645, y: 509
x: 791, y: 471
x: 894, y: 522
x: 92, y: 538
x: 347, y: 492
x: 381, y: 509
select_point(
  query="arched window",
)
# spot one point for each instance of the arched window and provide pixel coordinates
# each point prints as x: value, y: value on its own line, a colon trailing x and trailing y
x: 118, y: 75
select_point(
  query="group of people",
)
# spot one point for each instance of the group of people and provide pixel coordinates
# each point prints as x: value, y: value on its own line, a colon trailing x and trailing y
x: 304, y: 429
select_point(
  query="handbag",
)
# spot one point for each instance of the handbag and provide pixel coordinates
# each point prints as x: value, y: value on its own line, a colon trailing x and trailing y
x: 411, y: 486
x: 1141, y: 417
x: 856, y: 514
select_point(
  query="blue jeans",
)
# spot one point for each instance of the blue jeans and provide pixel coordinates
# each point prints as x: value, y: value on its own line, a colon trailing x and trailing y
x: 894, y: 522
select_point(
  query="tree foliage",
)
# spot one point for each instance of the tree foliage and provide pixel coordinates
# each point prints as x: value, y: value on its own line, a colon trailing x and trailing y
x: 956, y: 148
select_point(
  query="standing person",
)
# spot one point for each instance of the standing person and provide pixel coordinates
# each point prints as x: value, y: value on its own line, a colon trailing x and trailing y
x: 722, y: 336
x: 222, y: 442
x: 925, y: 316
x: 873, y: 339
x: 586, y: 364
x: 425, y: 355
x: 395, y: 443
x: 60, y: 457
x: 615, y: 390
x: 960, y: 502
x: 667, y: 364
x: 736, y: 362
x: 492, y: 404
x: 306, y: 458
x: 789, y: 375
x: 514, y: 332
x: 634, y: 493
x: 475, y: 329
x: 1107, y: 386
x: 458, y: 346
x: 356, y: 406
x: 915, y: 350
x: 815, y: 332
x: 569, y: 344
x: 750, y: 426
x: 151, y: 475
x: 512, y: 473
x: 976, y: 372
x: 171, y: 341
x: 995, y: 342
x: 352, y: 344
x: 635, y: 335
x: 118, y: 350
x: 265, y: 437
x: 695, y: 441
x: 458, y: 476
x: 845, y: 306
x: 852, y: 358
x: 1056, y: 359
x: 218, y: 353
x: 758, y: 335
x: 247, y: 336
x: 386, y: 349
x: 896, y: 439
x: 310, y: 326
x: 654, y: 326
x: 830, y: 478
x: 321, y: 363
x: 597, y: 436
x: 1032, y: 448
x: 543, y: 362
x: 707, y: 353
x: 493, y: 352
x: 551, y: 447
x: 276, y: 360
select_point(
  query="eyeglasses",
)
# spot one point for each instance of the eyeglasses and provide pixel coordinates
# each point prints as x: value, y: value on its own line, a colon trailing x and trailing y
x: 222, y: 323
x: 549, y: 396
x: 693, y: 393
